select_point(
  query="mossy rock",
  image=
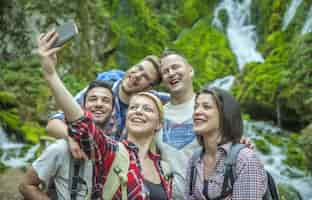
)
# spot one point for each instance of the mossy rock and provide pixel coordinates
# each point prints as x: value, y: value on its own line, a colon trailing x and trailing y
x: 274, y: 139
x: 256, y: 89
x: 7, y: 100
x: 295, y: 156
x: 288, y: 192
x: 306, y: 141
x: 10, y: 121
x: 262, y: 146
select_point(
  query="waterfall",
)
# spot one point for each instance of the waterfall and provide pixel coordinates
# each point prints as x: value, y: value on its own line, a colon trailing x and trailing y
x: 12, y: 152
x: 274, y: 161
x: 223, y: 83
x: 290, y: 13
x: 307, y: 27
x: 241, y: 34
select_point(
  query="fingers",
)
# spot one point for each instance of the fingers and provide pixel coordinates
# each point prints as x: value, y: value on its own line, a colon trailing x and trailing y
x: 52, y: 51
x: 52, y: 40
x: 49, y: 35
x: 75, y: 150
x: 45, y: 41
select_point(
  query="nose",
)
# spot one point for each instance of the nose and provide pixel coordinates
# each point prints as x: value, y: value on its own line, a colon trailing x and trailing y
x: 170, y: 72
x: 99, y: 103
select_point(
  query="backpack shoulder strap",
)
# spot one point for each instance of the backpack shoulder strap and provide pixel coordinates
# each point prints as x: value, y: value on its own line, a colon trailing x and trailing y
x: 271, y: 192
x: 166, y: 168
x: 193, y: 174
x: 118, y: 174
x: 230, y: 164
x: 75, y: 177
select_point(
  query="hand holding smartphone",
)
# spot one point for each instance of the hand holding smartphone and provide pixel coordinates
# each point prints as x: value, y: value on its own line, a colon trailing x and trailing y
x: 65, y: 32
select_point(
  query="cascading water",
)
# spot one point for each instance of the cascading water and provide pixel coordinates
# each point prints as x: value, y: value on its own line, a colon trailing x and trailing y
x: 307, y: 27
x: 273, y: 162
x: 290, y: 13
x: 223, y: 83
x: 12, y: 152
x: 241, y: 34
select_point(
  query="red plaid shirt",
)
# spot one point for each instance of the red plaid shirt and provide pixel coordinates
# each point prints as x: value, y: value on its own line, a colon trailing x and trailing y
x: 95, y: 140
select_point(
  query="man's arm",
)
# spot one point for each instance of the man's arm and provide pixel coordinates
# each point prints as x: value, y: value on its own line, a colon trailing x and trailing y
x: 29, y: 188
x: 62, y: 96
x: 57, y: 128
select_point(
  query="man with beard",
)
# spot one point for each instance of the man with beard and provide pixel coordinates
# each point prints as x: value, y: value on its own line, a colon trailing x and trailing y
x: 52, y: 175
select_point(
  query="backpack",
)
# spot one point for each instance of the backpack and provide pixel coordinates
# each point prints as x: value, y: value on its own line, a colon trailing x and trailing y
x: 229, y: 178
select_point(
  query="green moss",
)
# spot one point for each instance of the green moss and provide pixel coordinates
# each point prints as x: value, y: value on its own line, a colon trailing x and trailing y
x: 295, y: 156
x: 288, y: 192
x: 10, y: 121
x: 306, y: 140
x: 208, y: 52
x: 274, y: 139
x: 138, y: 35
x: 7, y: 100
x: 262, y: 146
x: 32, y: 132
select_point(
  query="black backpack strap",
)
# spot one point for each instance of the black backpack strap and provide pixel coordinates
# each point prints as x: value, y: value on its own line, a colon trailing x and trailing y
x: 75, y: 178
x: 230, y: 164
x: 271, y: 192
x: 194, y: 158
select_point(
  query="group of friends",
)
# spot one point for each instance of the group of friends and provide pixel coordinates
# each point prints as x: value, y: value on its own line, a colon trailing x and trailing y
x: 155, y: 135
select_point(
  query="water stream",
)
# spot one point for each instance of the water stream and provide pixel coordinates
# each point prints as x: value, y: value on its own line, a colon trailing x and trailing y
x: 273, y: 162
x: 290, y: 13
x: 307, y: 27
x: 15, y: 154
x: 240, y: 32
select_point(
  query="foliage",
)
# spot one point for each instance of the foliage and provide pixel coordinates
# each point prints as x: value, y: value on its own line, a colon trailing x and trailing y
x: 306, y: 141
x: 208, y: 52
x: 288, y: 192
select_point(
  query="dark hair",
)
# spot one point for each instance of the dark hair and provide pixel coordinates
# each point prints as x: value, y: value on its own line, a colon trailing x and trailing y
x: 98, y: 83
x: 231, y: 123
x: 156, y: 64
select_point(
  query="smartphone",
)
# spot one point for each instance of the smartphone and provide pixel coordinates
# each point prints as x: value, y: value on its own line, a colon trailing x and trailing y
x: 65, y: 32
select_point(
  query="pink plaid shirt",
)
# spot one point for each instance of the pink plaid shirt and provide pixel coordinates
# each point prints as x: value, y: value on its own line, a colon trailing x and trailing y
x: 250, y: 177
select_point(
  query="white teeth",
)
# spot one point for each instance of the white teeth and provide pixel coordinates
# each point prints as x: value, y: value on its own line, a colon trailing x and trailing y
x: 137, y: 120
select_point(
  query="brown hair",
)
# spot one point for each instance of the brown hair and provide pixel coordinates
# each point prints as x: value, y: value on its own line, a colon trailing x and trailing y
x: 231, y: 123
x: 156, y: 64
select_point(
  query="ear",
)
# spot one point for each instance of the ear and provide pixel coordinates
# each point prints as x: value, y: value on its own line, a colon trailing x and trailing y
x: 192, y: 71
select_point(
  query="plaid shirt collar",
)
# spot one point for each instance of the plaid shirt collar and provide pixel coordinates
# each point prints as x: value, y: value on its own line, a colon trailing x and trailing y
x: 132, y: 147
x: 223, y: 148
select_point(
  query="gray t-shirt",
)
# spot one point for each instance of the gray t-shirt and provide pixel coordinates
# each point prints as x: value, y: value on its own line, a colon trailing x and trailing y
x: 54, y: 165
x: 177, y: 141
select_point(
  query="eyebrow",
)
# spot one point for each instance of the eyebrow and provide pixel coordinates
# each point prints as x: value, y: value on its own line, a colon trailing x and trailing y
x: 140, y: 66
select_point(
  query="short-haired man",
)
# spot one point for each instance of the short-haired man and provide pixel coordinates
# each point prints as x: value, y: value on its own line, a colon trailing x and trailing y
x: 72, y: 179
x: 177, y: 140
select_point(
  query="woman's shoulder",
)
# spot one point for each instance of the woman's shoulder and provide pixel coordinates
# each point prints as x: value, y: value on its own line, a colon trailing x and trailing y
x: 248, y: 157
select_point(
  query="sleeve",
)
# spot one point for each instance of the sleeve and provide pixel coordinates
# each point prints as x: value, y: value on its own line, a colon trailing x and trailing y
x: 48, y: 163
x: 251, y: 180
x: 163, y: 96
x: 92, y: 139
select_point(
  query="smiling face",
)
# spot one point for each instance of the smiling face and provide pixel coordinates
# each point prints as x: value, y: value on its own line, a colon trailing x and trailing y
x: 176, y: 74
x: 142, y: 117
x: 206, y: 115
x: 140, y: 77
x: 99, y: 101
